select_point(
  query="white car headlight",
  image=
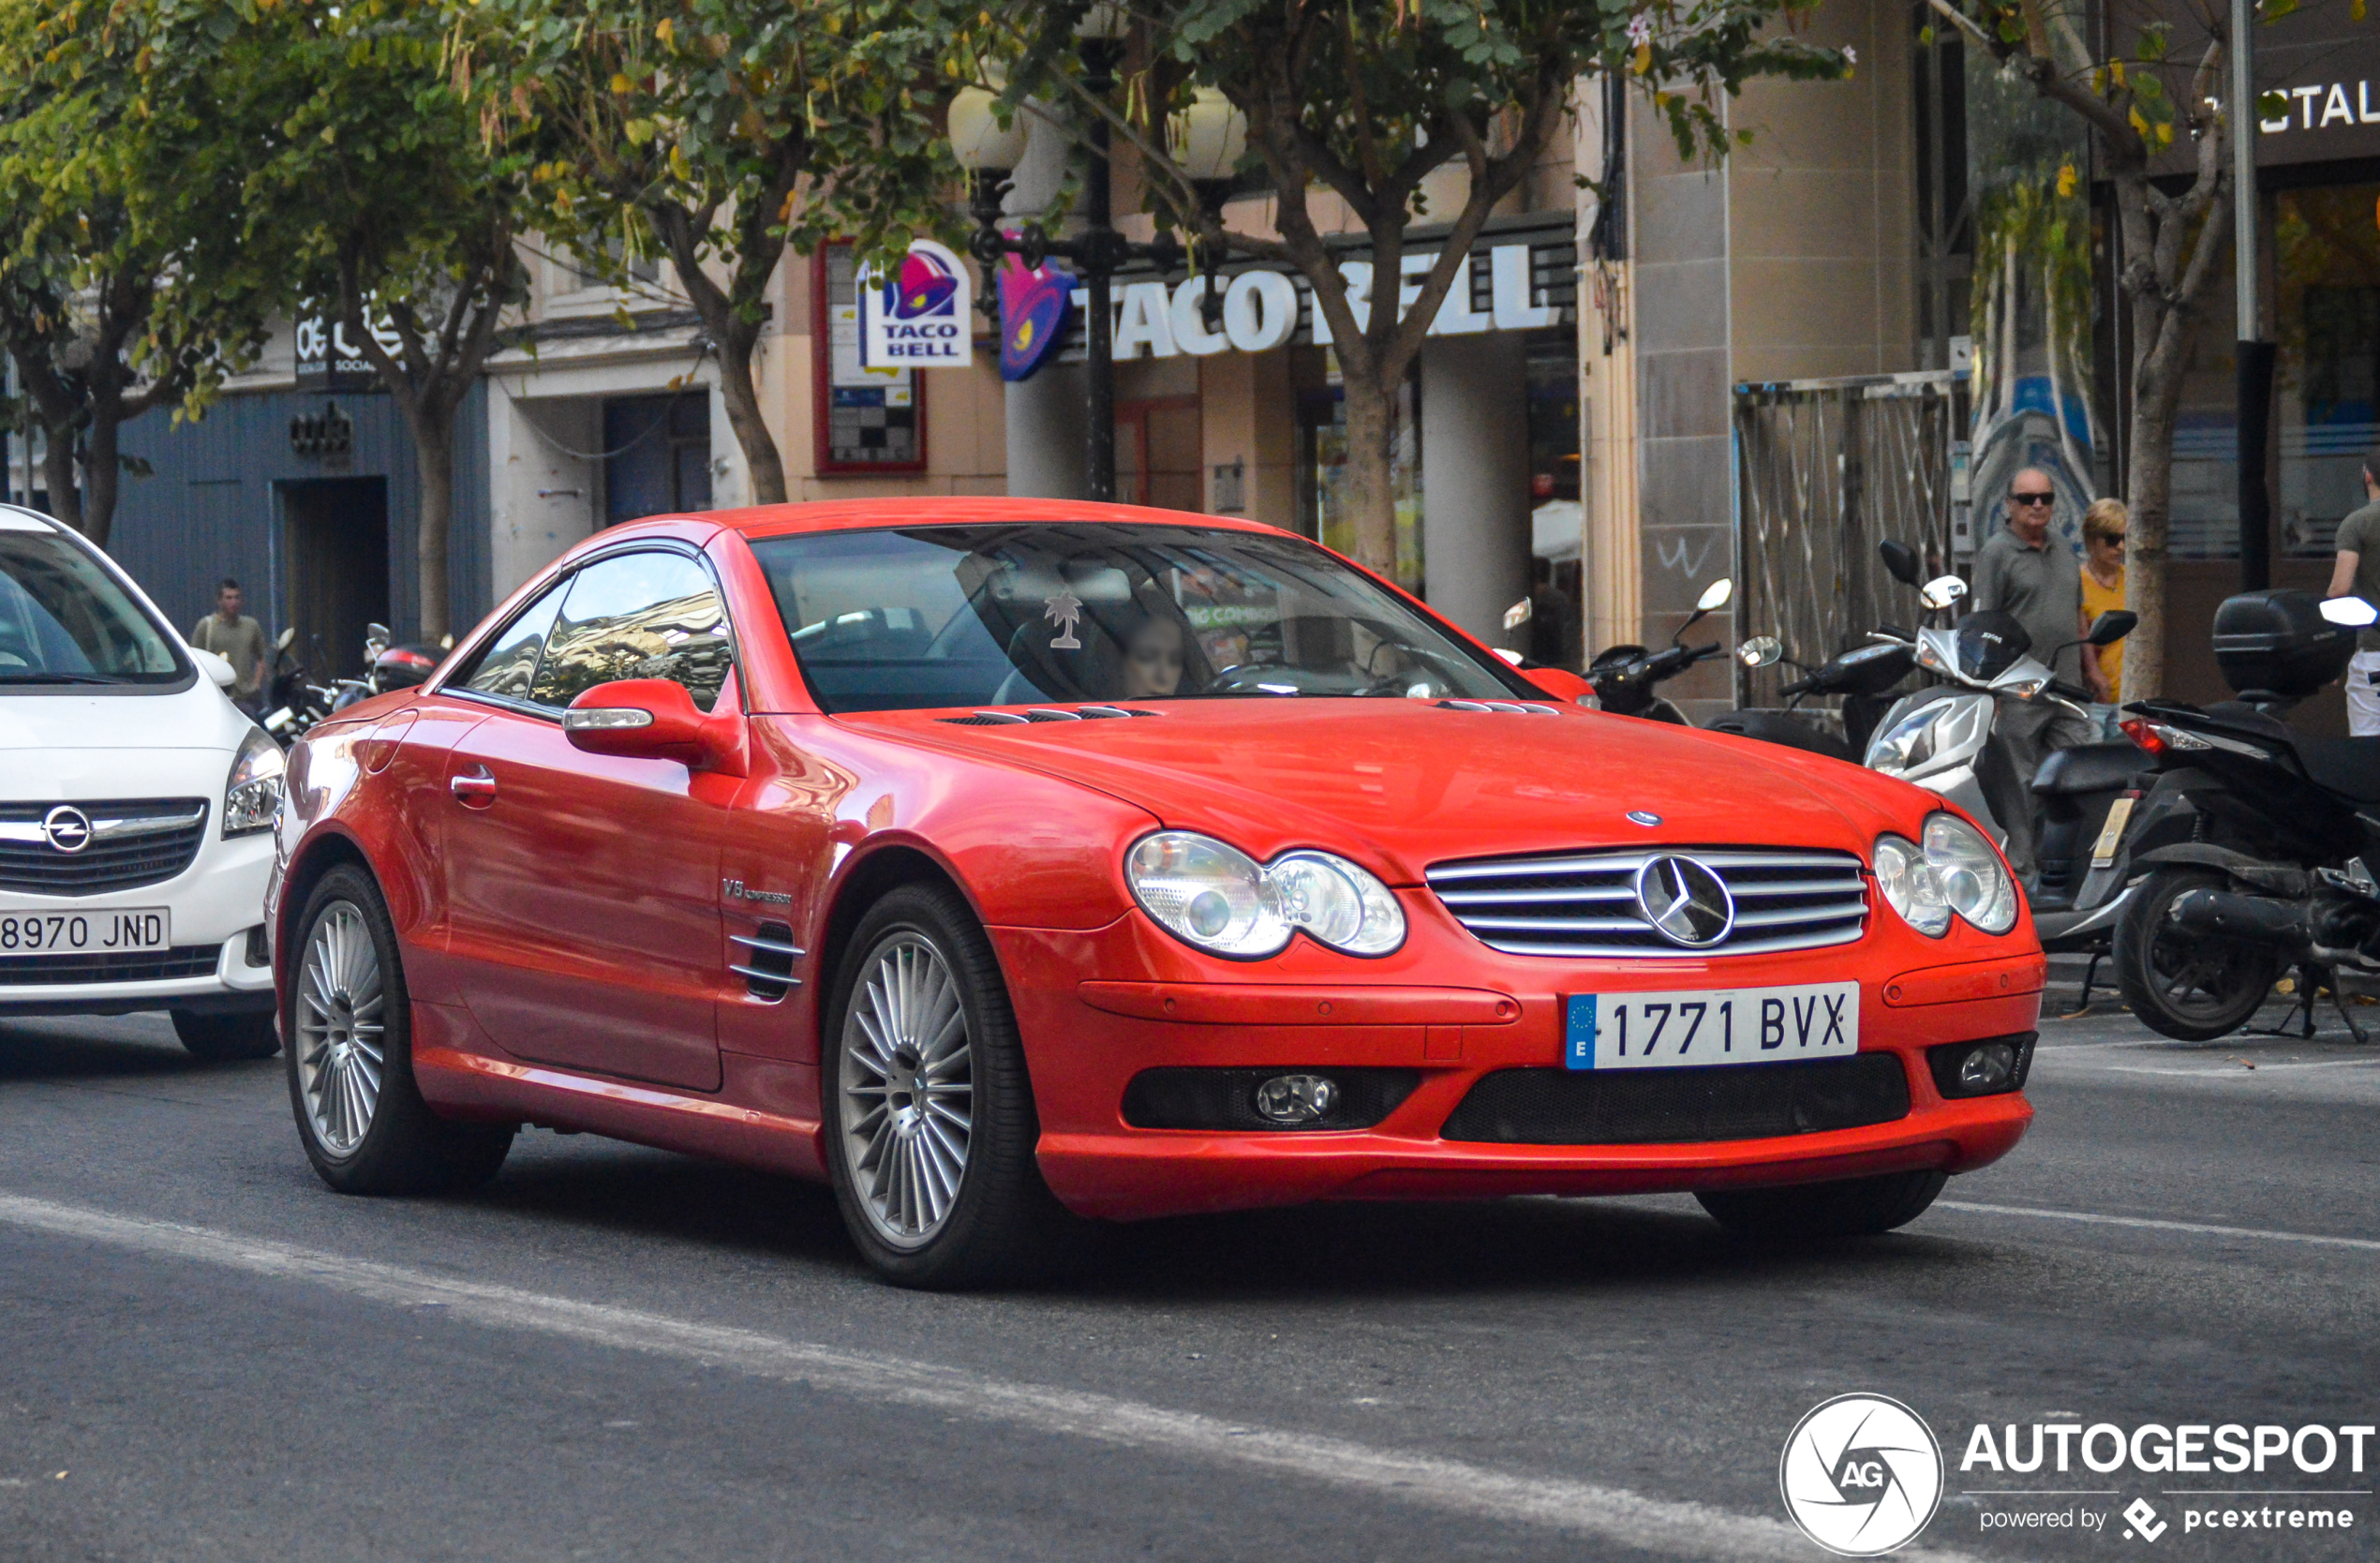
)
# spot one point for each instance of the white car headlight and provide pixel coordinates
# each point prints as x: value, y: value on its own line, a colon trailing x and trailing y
x: 1213, y: 894
x: 1910, y: 885
x: 252, y: 795
x: 1974, y: 879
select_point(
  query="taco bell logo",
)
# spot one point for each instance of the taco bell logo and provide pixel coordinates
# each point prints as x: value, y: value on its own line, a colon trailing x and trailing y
x: 917, y: 317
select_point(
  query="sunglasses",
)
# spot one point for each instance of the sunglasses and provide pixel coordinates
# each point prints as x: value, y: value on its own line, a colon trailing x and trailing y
x: 2115, y: 538
x: 2032, y: 498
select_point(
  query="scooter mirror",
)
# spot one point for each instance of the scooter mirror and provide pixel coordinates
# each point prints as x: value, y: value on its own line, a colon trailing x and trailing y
x: 1716, y: 596
x: 377, y: 631
x: 1942, y: 592
x: 287, y: 637
x: 1760, y: 652
x: 2354, y: 612
x: 1900, y: 560
x: 2115, y: 623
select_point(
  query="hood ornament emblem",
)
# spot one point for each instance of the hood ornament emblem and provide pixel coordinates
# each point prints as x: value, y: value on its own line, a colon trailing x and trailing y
x: 1643, y: 817
x: 66, y: 828
x: 1686, y: 903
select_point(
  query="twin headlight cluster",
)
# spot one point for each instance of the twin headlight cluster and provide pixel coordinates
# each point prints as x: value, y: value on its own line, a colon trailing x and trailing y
x: 1213, y: 894
x: 1953, y: 871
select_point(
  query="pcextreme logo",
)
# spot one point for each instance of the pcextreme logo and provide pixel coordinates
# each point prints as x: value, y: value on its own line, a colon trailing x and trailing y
x: 1862, y: 1475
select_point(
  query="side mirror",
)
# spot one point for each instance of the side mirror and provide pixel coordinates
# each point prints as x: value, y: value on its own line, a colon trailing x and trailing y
x: 640, y: 718
x: 377, y: 632
x: 215, y: 667
x: 1760, y: 652
x: 1942, y: 592
x: 1716, y: 595
x: 288, y: 638
x: 2115, y: 623
x: 1900, y: 560
x: 1559, y: 682
x: 2352, y: 612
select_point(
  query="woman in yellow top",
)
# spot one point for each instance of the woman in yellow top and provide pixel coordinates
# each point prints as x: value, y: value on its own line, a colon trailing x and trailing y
x: 2103, y: 587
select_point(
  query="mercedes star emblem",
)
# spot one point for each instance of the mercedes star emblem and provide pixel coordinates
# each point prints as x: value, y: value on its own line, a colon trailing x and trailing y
x: 67, y: 828
x: 1644, y: 817
x: 1685, y: 900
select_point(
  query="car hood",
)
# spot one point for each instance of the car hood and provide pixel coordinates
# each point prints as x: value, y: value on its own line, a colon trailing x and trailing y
x: 1408, y: 783
x: 70, y: 745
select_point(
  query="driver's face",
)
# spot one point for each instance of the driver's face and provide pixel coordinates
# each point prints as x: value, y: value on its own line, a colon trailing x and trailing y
x: 1153, y: 661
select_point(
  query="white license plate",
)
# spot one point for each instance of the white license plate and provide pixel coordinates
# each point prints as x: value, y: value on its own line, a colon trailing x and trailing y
x: 1726, y: 1026
x: 124, y: 928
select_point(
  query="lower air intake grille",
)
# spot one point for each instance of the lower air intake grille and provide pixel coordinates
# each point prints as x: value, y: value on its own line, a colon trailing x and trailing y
x: 182, y: 960
x: 1680, y: 1107
x: 1585, y: 904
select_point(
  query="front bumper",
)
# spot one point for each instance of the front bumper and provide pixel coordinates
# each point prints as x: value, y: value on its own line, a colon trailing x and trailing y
x: 215, y: 902
x: 1456, y: 1013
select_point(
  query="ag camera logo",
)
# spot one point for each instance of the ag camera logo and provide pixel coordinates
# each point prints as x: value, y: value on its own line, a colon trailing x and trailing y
x: 1862, y: 1475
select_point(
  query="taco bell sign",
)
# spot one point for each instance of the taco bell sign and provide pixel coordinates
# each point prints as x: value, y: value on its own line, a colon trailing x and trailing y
x: 921, y: 316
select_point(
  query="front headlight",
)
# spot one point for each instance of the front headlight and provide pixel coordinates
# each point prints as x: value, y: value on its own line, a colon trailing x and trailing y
x: 1907, y: 744
x: 1974, y: 879
x: 1956, y: 870
x: 252, y: 795
x: 1213, y: 894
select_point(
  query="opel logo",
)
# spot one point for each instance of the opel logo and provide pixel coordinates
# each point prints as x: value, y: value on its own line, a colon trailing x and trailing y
x: 67, y: 828
x: 1685, y: 900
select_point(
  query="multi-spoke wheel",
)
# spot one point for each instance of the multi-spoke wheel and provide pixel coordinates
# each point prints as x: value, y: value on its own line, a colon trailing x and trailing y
x: 931, y: 1122
x: 342, y: 1053
x: 360, y: 1117
x: 2188, y: 986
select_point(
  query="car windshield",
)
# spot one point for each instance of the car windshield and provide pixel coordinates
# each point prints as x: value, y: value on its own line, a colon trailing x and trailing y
x: 64, y: 620
x: 930, y: 617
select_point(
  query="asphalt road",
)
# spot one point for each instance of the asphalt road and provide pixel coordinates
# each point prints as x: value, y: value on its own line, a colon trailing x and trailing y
x: 616, y: 1353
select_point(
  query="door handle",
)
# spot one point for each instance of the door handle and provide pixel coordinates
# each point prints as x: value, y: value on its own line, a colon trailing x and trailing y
x: 474, y: 789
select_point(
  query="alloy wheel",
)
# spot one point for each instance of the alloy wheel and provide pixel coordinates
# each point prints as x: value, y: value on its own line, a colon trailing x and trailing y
x: 341, y: 1054
x: 908, y: 1091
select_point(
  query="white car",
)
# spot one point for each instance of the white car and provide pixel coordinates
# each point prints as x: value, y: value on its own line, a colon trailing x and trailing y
x: 136, y: 807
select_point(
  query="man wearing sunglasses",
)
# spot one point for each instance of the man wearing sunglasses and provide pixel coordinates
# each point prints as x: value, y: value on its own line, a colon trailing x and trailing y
x: 2357, y: 573
x: 2023, y: 570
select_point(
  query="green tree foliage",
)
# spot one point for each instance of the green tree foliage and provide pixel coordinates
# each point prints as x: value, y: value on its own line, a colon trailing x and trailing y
x: 1365, y: 101
x: 123, y: 285
x: 722, y: 134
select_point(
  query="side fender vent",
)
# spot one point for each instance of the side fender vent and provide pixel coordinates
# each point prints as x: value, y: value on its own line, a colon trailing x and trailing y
x: 767, y: 966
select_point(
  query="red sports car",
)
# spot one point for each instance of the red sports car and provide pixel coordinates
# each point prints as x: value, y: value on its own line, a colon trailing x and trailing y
x: 1011, y: 862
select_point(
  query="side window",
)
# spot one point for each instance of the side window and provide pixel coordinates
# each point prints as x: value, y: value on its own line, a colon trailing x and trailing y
x: 508, y: 665
x: 638, y: 615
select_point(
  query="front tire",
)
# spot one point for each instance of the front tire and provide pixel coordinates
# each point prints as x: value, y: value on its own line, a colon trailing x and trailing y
x: 360, y: 1115
x: 931, y: 1127
x: 2191, y: 989
x: 223, y: 1039
x: 1855, y: 1207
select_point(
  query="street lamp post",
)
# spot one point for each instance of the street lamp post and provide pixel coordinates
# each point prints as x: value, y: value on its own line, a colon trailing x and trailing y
x: 1212, y: 135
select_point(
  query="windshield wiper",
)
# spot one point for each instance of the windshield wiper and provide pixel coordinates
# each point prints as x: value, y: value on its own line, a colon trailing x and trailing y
x: 60, y: 678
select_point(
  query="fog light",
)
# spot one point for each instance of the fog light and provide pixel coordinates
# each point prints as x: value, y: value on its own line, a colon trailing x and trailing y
x: 1988, y: 1067
x: 259, y: 951
x: 1297, y: 1098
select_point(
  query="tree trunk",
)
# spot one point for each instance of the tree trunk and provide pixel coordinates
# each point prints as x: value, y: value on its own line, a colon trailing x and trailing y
x: 736, y: 389
x: 57, y: 472
x: 102, y: 473
x: 433, y: 431
x: 1368, y: 487
x: 2149, y: 479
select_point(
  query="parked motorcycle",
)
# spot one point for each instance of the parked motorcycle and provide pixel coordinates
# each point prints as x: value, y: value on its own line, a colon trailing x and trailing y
x: 2255, y: 848
x: 296, y: 705
x: 388, y: 666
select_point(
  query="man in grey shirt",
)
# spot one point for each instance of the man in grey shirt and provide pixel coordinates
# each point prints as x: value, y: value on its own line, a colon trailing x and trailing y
x: 2025, y: 572
x: 238, y: 640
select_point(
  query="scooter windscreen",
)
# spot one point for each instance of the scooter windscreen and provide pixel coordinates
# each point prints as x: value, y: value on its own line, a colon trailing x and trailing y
x: 1990, y: 643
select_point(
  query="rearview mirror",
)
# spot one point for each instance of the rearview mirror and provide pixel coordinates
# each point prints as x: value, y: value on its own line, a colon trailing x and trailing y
x: 1942, y: 592
x: 218, y: 668
x: 640, y: 718
x: 1760, y: 652
x: 1716, y: 596
x: 2115, y: 623
x: 1900, y: 560
x: 287, y: 638
x: 2352, y: 612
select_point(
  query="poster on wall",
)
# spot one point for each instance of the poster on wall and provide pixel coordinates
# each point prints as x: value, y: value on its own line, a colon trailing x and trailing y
x: 868, y: 420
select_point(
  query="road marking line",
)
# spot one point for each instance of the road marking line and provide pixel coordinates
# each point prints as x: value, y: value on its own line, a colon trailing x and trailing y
x: 2240, y: 1070
x: 1661, y: 1525
x: 2201, y: 1228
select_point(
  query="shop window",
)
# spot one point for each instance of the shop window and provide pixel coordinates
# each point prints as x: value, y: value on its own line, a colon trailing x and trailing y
x: 1322, y: 458
x: 2327, y: 247
x: 1556, y: 519
x: 656, y: 455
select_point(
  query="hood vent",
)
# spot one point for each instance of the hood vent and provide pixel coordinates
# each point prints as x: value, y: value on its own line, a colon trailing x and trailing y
x: 1501, y: 707
x: 1044, y: 713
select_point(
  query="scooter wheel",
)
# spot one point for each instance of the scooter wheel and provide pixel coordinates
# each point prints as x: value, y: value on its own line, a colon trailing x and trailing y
x: 2188, y: 987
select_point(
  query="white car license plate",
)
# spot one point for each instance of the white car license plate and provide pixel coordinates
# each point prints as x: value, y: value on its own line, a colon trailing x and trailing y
x: 1726, y: 1026
x: 117, y: 929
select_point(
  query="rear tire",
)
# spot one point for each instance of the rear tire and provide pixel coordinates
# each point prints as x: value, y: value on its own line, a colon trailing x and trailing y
x: 346, y: 1011
x: 222, y: 1039
x: 1855, y: 1207
x: 930, y: 1128
x: 2193, y: 989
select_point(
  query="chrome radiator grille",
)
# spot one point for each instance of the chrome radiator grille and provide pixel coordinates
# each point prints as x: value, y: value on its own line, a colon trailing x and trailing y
x: 1585, y: 904
x: 128, y: 843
